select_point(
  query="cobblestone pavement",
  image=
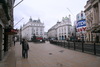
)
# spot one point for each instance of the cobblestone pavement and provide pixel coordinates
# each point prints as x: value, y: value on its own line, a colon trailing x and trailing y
x: 48, y: 55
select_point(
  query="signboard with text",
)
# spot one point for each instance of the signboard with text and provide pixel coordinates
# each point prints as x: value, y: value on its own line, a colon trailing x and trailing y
x: 81, y: 23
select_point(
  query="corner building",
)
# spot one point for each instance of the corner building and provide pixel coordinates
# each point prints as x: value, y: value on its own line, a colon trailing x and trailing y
x: 33, y: 27
x: 61, y: 30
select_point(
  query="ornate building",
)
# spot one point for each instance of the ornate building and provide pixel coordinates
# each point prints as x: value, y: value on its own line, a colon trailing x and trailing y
x: 52, y: 32
x: 33, y: 27
x: 61, y: 30
x: 92, y: 11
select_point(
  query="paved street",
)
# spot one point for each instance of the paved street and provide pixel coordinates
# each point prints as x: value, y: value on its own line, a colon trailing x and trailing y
x: 48, y: 55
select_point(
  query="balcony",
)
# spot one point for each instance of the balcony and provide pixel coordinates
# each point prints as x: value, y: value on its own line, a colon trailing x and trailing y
x: 94, y: 2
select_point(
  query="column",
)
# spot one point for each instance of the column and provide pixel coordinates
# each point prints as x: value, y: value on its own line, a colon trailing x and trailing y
x: 93, y: 15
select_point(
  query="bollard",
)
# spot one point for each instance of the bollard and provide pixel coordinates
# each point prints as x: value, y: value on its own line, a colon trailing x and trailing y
x: 68, y: 44
x: 74, y: 45
x: 58, y: 43
x: 64, y: 44
x: 94, y: 49
x: 61, y: 43
x: 82, y: 46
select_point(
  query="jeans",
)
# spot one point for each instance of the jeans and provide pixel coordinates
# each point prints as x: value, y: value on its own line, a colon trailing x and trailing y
x: 25, y: 53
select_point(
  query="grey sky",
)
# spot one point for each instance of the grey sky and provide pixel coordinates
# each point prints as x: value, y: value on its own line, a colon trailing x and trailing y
x: 49, y: 11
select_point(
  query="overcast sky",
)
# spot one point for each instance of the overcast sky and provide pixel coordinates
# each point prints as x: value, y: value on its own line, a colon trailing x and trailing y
x: 49, y: 11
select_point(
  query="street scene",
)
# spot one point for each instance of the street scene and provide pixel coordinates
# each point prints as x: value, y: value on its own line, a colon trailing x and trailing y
x: 48, y: 55
x: 49, y: 33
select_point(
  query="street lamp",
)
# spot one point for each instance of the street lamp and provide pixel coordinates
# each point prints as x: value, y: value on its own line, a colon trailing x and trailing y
x: 18, y: 22
x: 18, y: 3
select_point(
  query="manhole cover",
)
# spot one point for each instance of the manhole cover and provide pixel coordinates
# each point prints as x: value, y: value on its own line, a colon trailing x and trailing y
x: 61, y: 51
x: 50, y: 53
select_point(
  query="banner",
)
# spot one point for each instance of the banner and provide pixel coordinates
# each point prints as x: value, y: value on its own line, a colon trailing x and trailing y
x: 81, y: 23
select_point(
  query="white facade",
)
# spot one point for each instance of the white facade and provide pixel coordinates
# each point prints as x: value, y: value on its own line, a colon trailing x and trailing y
x: 33, y: 27
x: 45, y: 35
x: 61, y: 30
x: 52, y: 32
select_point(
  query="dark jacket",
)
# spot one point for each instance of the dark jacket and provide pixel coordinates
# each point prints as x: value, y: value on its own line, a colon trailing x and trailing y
x: 25, y: 45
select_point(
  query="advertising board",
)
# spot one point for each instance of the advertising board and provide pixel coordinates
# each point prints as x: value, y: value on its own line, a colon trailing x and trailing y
x: 81, y: 23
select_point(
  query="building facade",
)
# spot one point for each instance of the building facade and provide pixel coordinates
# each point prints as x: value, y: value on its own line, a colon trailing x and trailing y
x: 81, y: 26
x: 61, y: 30
x: 52, y: 32
x: 45, y: 35
x: 33, y: 27
x: 6, y: 24
x: 92, y: 11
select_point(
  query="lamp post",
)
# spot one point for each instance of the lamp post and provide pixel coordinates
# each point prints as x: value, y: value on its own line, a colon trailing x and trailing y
x: 18, y: 3
x: 18, y: 21
x: 20, y: 31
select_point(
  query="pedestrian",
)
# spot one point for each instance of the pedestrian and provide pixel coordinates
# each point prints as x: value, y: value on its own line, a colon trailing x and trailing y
x: 25, y: 48
x: 14, y: 39
x: 14, y: 42
x: 20, y: 42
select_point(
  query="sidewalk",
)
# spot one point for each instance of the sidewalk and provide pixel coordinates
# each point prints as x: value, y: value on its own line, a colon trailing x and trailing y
x: 10, y: 59
x: 47, y: 55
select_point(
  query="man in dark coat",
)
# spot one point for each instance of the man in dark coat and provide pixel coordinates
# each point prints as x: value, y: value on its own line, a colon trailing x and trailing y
x: 25, y: 48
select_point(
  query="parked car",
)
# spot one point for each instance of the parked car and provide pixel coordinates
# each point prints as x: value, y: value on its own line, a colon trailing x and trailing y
x: 38, y: 39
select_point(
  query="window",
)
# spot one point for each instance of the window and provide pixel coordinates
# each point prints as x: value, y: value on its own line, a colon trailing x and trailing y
x: 36, y: 29
x: 36, y: 33
x: 40, y: 29
x: 41, y: 33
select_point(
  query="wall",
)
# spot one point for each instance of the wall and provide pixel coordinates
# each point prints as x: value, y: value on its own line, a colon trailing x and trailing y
x: 1, y: 40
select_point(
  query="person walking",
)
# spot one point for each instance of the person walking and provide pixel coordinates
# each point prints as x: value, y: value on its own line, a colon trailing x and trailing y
x: 14, y: 39
x: 14, y: 42
x: 25, y: 48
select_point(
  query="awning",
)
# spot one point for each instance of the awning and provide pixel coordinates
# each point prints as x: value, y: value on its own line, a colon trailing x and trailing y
x: 11, y: 31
